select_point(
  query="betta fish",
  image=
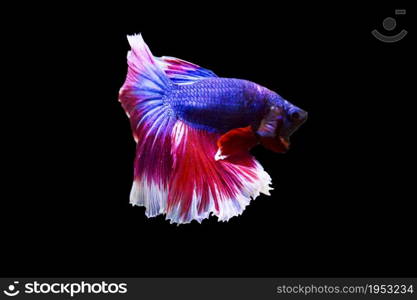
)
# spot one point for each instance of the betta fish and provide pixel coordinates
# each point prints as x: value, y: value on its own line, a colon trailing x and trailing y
x: 193, y: 133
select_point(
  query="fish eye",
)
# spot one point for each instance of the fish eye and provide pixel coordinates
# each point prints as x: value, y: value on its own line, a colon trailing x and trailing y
x: 295, y: 116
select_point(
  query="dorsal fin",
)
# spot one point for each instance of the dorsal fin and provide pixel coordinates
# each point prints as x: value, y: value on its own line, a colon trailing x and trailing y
x: 181, y: 71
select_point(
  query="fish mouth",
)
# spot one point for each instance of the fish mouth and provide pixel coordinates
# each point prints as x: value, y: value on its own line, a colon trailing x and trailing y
x: 277, y: 127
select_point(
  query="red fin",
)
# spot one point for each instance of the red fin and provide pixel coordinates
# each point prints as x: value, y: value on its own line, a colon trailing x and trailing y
x: 276, y: 144
x: 200, y: 185
x: 236, y: 141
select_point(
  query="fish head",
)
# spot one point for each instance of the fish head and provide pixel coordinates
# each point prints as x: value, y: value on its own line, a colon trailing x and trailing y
x: 280, y: 121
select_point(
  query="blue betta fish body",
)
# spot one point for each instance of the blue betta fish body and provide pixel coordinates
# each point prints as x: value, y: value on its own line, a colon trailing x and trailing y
x: 218, y: 104
x: 194, y: 131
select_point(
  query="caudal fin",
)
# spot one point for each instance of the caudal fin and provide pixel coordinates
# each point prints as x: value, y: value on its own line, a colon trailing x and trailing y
x: 151, y: 121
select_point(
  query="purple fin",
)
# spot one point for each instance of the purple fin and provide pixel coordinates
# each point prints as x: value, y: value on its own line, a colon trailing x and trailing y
x: 181, y: 71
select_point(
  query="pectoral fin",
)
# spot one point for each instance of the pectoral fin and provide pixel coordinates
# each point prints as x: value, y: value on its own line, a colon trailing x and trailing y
x: 270, y: 123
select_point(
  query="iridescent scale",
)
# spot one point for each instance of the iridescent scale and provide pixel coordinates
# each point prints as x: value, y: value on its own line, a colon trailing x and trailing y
x: 217, y: 104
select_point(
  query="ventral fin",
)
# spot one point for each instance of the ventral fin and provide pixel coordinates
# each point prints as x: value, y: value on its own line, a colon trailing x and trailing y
x: 236, y: 141
x: 277, y: 144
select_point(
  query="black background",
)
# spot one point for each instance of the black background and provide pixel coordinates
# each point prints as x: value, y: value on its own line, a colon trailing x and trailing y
x: 341, y: 206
